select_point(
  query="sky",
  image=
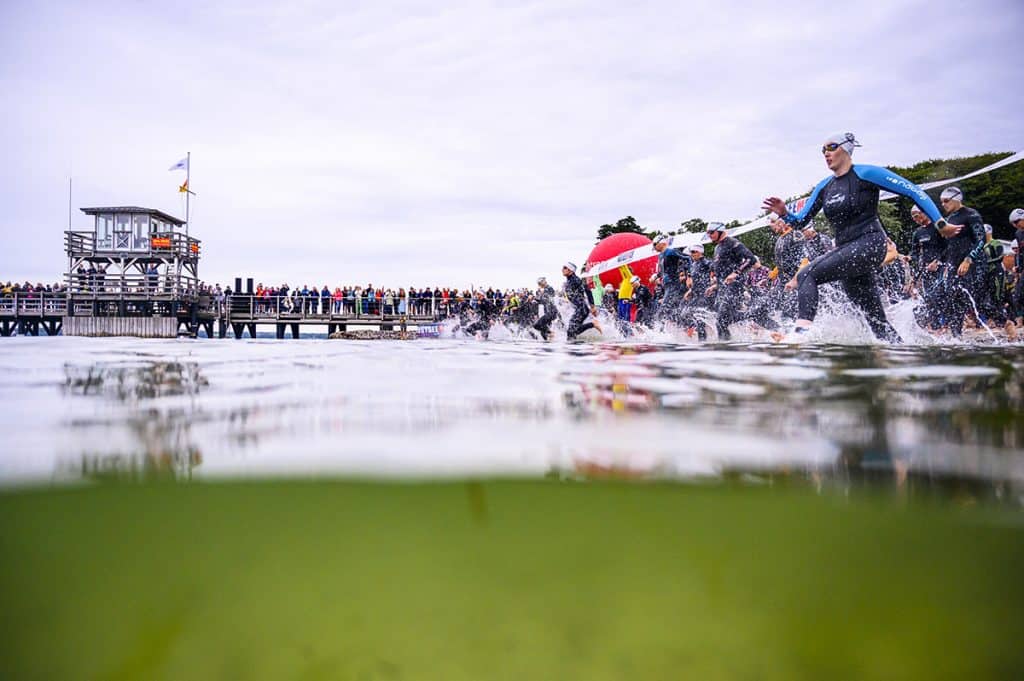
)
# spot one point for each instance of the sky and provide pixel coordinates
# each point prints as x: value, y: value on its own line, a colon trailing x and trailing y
x: 469, y: 143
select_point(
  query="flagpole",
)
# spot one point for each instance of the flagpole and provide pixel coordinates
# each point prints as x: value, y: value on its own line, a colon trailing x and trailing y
x: 188, y: 187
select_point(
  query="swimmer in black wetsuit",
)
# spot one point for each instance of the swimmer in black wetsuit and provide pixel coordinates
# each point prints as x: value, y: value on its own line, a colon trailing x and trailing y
x: 732, y: 260
x: 546, y: 299
x: 926, y: 250
x: 789, y: 254
x: 698, y: 298
x: 965, y: 245
x: 486, y: 315
x: 582, y: 302
x: 1017, y: 222
x: 643, y: 302
x: 670, y: 263
x: 849, y: 198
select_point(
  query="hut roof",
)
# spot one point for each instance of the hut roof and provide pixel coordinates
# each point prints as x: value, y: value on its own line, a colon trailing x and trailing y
x: 134, y: 209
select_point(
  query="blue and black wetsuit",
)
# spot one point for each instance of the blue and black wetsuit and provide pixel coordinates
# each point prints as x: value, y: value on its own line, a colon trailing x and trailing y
x: 582, y: 300
x: 850, y: 203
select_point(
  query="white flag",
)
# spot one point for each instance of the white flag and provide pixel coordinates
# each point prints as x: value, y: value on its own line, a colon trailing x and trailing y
x: 180, y: 165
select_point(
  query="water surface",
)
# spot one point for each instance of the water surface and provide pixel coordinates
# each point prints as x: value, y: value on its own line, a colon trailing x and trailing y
x: 935, y: 416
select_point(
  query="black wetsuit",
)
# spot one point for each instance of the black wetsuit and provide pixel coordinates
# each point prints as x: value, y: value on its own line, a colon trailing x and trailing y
x: 700, y: 273
x: 850, y: 203
x: 644, y: 303
x: 818, y: 245
x: 926, y: 246
x: 486, y: 312
x: 582, y: 300
x: 731, y: 257
x: 1019, y: 237
x: 962, y: 293
x: 992, y: 255
x: 670, y: 263
x: 789, y: 253
x: 546, y: 297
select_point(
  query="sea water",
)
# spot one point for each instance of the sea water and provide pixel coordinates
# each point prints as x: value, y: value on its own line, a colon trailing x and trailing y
x: 935, y: 416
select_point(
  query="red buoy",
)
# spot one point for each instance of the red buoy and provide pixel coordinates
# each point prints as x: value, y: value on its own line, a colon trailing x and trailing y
x: 614, y: 246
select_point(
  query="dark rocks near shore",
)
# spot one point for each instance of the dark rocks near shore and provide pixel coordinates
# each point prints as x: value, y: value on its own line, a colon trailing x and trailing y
x: 367, y: 334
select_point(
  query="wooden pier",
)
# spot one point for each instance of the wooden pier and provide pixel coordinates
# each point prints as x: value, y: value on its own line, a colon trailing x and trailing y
x: 111, y: 313
x: 136, y: 273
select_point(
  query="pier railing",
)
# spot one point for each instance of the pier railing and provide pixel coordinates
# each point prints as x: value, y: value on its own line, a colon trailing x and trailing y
x: 159, y: 244
x: 132, y: 285
x: 34, y: 305
x: 248, y: 307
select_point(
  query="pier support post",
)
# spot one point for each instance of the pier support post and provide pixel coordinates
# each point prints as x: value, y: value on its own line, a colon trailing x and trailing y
x: 331, y: 328
x: 280, y: 331
x: 295, y: 330
x: 222, y: 328
x: 238, y: 330
x: 252, y: 330
x: 6, y: 328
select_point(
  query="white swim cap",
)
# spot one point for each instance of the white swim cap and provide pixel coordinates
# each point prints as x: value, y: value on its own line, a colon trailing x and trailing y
x: 696, y: 247
x: 634, y: 279
x: 845, y: 140
x: 571, y: 266
x: 1016, y: 214
x: 715, y: 227
x: 609, y: 287
x: 951, y: 194
x: 916, y: 209
x: 662, y: 239
x: 988, y: 228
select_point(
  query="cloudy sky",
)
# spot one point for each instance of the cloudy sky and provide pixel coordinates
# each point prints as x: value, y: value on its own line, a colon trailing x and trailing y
x: 464, y: 143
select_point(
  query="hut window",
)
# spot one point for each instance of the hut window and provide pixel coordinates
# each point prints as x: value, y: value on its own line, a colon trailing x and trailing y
x: 104, y: 231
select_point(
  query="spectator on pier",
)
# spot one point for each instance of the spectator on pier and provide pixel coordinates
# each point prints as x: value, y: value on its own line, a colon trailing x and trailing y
x: 402, y: 302
x: 325, y: 300
x: 152, y: 277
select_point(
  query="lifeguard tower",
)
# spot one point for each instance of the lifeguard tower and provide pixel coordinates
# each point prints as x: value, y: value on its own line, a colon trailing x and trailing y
x: 136, y: 272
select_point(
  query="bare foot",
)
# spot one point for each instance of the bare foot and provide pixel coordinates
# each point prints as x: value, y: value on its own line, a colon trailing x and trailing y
x: 1011, y: 330
x: 597, y: 326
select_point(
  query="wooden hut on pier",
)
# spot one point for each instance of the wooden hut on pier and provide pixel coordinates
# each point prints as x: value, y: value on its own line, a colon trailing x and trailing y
x: 136, y: 272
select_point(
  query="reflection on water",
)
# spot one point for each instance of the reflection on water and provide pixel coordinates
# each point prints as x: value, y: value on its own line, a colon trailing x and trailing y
x: 134, y: 382
x: 916, y: 418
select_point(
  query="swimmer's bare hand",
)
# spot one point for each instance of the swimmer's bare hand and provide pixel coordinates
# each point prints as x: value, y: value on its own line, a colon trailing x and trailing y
x: 774, y: 204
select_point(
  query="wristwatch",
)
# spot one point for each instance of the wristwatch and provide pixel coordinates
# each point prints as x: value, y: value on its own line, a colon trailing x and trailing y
x: 941, y: 223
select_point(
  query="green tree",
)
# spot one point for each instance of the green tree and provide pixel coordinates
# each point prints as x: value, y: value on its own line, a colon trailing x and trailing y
x: 626, y: 224
x: 693, y: 225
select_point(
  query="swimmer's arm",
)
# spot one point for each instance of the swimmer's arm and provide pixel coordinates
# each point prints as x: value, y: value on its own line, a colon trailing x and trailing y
x: 810, y: 209
x: 891, y: 182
